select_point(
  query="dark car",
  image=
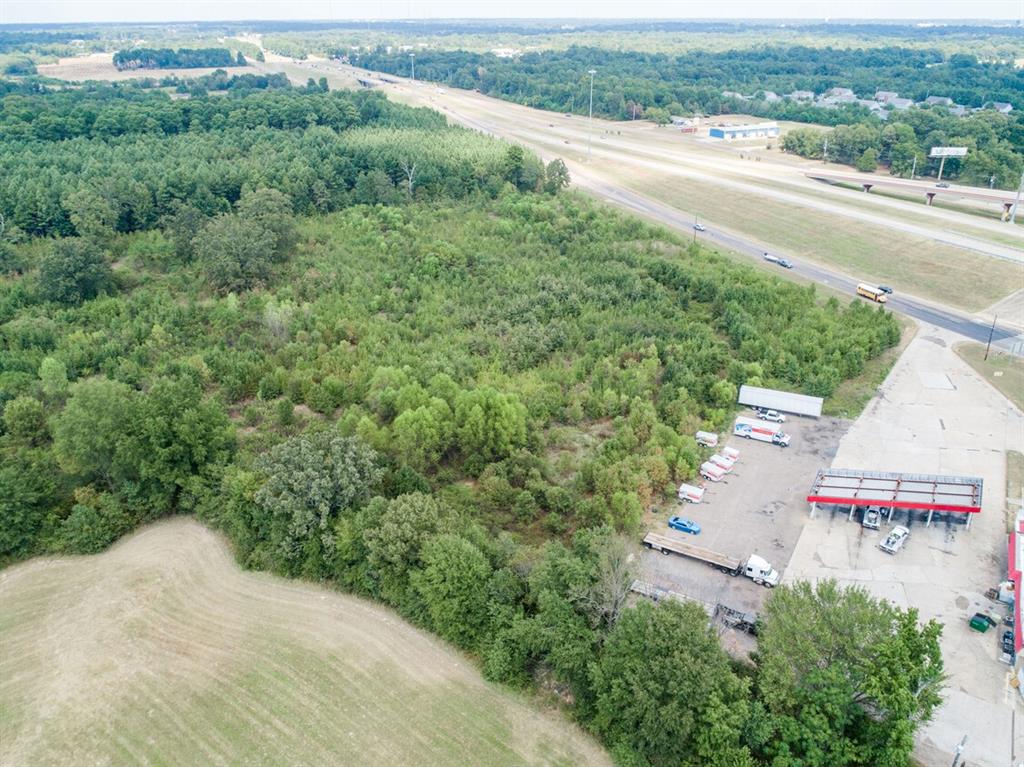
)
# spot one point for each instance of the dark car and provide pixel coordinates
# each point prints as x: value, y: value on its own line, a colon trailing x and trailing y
x: 885, y: 289
x: 784, y: 263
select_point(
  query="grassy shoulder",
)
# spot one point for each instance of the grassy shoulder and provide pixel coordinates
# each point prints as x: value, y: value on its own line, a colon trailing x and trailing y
x: 1005, y: 372
x: 919, y: 266
x: 853, y: 395
x: 1014, y: 485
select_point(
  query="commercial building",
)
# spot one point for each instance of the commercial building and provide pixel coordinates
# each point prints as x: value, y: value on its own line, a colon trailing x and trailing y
x: 784, y: 401
x: 733, y: 132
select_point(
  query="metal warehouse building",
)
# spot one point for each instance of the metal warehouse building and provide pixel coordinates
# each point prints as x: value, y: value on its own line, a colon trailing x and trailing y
x: 787, y: 402
x: 757, y: 130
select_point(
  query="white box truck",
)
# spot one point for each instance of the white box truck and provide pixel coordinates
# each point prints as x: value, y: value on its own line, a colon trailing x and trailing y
x: 751, y: 428
x: 712, y: 472
x: 690, y: 493
x: 756, y: 568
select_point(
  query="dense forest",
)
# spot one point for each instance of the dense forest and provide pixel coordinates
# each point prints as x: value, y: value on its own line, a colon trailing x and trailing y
x: 183, y: 58
x: 398, y: 357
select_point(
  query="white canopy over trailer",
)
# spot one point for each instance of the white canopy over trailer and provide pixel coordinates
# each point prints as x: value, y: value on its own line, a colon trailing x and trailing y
x: 783, y: 401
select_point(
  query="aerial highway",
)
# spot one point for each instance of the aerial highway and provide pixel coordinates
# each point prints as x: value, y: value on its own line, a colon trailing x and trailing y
x: 1003, y: 336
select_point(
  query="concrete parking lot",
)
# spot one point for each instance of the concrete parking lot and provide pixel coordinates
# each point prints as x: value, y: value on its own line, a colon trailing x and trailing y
x: 934, y: 415
x: 758, y: 508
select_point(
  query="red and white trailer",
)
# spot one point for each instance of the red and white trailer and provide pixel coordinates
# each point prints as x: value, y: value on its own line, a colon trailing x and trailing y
x: 720, y: 460
x: 690, y: 493
x: 712, y: 472
x: 730, y: 452
x: 706, y: 438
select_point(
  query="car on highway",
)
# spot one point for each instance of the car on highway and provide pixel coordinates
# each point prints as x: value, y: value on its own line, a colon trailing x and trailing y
x: 885, y: 289
x: 894, y: 540
x: 771, y: 415
x: 942, y: 185
x: 699, y: 227
x: 684, y: 525
x: 784, y: 263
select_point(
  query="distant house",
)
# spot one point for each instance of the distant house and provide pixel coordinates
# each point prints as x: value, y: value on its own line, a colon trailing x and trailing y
x: 734, y: 95
x: 886, y: 96
x: 801, y: 96
x: 939, y: 101
x: 840, y: 93
x: 901, y: 103
x: 874, y: 106
x: 1002, y: 107
x: 771, y: 96
x: 958, y: 110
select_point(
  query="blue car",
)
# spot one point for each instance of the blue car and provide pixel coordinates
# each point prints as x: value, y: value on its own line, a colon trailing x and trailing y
x: 684, y: 525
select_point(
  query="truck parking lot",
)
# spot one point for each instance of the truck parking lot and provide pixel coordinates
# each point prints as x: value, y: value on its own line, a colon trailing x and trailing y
x: 758, y: 508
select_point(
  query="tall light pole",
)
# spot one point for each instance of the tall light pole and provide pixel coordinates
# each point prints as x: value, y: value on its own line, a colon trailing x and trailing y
x: 412, y: 58
x: 913, y: 168
x: 590, y: 118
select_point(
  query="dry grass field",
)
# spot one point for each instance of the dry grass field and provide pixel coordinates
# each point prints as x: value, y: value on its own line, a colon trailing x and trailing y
x: 161, y: 651
x: 100, y: 66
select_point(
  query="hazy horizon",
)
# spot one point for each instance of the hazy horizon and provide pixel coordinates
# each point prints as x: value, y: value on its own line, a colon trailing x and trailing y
x: 183, y: 11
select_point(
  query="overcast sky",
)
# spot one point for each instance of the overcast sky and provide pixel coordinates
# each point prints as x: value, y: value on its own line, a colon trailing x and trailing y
x: 23, y: 11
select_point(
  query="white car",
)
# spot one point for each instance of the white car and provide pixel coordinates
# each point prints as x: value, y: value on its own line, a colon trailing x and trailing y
x: 772, y: 415
x: 699, y: 227
x: 872, y: 517
x: 894, y: 540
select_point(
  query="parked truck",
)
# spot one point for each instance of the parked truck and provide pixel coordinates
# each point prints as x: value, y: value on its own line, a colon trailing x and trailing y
x: 754, y: 567
x: 751, y: 428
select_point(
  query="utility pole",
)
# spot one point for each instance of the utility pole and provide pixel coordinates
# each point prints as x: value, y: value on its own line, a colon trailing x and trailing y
x: 991, y: 332
x: 824, y: 151
x: 942, y: 164
x: 590, y: 119
x: 1016, y: 202
x: 412, y: 58
x: 913, y: 168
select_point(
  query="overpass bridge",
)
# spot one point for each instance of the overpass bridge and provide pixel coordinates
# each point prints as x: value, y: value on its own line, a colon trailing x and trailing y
x: 929, y: 189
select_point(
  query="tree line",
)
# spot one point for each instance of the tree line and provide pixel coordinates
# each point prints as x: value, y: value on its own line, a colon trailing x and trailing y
x: 183, y: 58
x: 429, y: 376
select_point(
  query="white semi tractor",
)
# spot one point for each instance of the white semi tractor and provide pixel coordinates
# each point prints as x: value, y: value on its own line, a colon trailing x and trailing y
x: 752, y: 428
x: 754, y: 567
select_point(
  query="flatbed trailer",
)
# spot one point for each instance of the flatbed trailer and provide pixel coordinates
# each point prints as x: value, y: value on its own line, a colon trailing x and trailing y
x: 667, y: 545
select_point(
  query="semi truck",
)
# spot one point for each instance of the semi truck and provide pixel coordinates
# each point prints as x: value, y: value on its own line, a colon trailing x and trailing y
x: 751, y: 428
x: 754, y: 567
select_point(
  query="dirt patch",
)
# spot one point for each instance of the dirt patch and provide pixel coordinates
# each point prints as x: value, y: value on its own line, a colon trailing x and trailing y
x: 100, y: 66
x: 162, y: 650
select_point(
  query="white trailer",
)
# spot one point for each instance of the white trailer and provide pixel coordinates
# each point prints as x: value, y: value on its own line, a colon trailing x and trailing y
x: 706, y: 439
x: 730, y: 452
x: 690, y: 493
x: 756, y: 568
x: 712, y: 472
x: 752, y: 428
x: 720, y: 460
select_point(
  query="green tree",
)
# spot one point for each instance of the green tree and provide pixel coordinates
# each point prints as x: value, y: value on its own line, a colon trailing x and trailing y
x: 271, y: 210
x: 311, y: 480
x: 25, y: 420
x: 394, y: 533
x: 514, y: 165
x: 489, y: 424
x: 29, y: 493
x: 845, y: 679
x: 90, y: 435
x: 450, y: 583
x: 665, y: 692
x: 235, y: 253
x: 73, y: 270
x: 868, y: 160
x: 54, y: 377
x: 422, y: 435
x: 556, y: 177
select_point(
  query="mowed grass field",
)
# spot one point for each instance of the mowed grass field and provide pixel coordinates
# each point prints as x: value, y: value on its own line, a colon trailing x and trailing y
x: 161, y: 651
x: 910, y: 264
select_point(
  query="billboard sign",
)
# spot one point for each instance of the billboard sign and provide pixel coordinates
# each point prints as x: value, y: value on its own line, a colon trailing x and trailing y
x: 948, y: 151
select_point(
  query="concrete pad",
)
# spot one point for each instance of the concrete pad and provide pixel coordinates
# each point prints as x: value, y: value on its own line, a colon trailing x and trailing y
x: 935, y: 415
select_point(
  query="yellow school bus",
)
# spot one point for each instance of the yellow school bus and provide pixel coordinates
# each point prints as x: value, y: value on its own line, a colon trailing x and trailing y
x: 870, y: 291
